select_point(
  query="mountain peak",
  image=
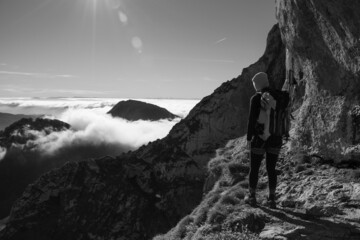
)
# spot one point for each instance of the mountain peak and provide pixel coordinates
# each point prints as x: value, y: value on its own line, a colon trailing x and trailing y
x: 134, y: 110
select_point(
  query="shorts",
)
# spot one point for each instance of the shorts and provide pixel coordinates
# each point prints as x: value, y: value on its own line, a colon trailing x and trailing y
x: 272, y: 145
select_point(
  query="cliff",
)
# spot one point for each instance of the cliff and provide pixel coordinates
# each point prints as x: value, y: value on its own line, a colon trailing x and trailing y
x: 141, y: 193
x: 136, y: 110
x: 323, y: 39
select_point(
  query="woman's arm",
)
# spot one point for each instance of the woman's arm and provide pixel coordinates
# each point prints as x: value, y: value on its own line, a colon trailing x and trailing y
x: 253, y: 115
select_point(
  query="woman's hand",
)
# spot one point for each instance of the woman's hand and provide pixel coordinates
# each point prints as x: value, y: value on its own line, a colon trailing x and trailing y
x: 248, y: 148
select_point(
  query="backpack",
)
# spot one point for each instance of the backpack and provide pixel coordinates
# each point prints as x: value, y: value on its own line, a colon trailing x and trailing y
x: 280, y: 117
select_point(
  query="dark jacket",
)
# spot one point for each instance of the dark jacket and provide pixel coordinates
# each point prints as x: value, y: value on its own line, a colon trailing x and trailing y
x: 255, y: 105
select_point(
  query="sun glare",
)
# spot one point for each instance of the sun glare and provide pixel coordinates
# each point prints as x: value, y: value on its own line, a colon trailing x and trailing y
x: 112, y: 4
x: 115, y: 8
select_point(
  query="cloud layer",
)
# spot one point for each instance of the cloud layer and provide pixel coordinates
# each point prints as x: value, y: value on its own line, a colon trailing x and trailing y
x: 90, y: 125
x: 91, y: 128
x: 2, y: 153
x: 56, y: 106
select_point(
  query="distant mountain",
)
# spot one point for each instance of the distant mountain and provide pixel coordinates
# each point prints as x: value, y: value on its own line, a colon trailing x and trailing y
x: 6, y: 119
x: 22, y: 164
x: 25, y: 154
x: 133, y: 110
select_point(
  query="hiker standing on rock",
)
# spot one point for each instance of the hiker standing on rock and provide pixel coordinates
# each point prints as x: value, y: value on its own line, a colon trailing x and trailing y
x: 264, y: 135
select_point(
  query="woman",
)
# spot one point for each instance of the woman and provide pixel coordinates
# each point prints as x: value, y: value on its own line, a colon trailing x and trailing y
x: 261, y: 140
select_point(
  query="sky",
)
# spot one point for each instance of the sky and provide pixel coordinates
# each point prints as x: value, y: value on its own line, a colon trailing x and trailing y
x: 128, y: 48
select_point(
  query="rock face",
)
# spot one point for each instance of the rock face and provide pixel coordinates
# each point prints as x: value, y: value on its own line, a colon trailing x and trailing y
x: 136, y: 110
x: 139, y: 194
x: 323, y: 38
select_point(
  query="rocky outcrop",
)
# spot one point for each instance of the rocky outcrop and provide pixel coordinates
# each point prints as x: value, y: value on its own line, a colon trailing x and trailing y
x: 141, y: 193
x: 323, y: 39
x: 133, y: 110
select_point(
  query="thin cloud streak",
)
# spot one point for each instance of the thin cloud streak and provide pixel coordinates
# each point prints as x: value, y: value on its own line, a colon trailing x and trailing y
x: 221, y: 40
x: 40, y: 75
x: 202, y: 60
x: 54, y: 91
x: 208, y: 60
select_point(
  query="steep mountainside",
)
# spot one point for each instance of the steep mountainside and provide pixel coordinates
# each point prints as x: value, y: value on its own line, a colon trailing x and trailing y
x: 317, y: 200
x: 139, y: 194
x: 133, y: 110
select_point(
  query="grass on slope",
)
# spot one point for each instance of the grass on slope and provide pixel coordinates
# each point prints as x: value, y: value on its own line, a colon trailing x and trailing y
x: 222, y: 215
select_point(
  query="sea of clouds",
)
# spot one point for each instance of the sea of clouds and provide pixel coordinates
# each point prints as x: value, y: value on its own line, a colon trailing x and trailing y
x: 91, y: 126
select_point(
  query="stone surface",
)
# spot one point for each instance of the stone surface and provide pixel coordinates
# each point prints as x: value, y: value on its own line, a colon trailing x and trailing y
x: 323, y: 38
x: 133, y: 110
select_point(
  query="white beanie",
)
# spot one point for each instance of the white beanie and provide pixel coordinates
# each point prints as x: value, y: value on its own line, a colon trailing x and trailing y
x: 260, y: 81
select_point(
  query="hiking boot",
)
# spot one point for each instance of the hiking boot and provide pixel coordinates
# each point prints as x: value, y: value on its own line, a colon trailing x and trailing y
x: 251, y: 200
x: 271, y: 203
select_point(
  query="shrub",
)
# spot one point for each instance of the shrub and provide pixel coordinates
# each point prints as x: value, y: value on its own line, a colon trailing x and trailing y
x: 216, y: 165
x: 356, y: 174
x: 299, y: 168
x: 201, y: 211
x: 229, y: 199
x: 229, y: 234
x: 236, y: 192
x: 236, y: 168
x: 218, y: 213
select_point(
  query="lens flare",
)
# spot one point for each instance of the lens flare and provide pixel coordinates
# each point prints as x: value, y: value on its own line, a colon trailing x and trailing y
x: 137, y: 44
x: 123, y: 17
